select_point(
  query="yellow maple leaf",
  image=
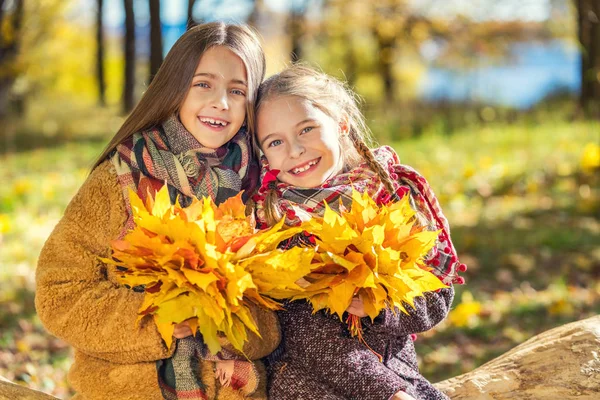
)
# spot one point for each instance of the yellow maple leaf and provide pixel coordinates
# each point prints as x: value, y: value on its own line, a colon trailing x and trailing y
x: 197, y: 265
x: 375, y: 251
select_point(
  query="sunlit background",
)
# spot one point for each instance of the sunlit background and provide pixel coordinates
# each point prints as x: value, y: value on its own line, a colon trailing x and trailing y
x: 496, y: 102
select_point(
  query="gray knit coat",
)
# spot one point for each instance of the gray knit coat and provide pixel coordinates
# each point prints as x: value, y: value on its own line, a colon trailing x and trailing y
x: 319, y: 360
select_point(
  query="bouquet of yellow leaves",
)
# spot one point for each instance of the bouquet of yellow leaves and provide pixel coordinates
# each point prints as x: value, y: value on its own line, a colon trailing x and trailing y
x: 194, y: 264
x: 372, y: 251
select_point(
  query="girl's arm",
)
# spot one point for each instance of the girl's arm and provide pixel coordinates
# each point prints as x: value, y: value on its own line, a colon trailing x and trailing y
x: 429, y: 311
x: 75, y: 298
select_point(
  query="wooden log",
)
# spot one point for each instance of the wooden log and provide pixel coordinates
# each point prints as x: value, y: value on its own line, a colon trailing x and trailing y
x: 11, y: 391
x: 562, y: 363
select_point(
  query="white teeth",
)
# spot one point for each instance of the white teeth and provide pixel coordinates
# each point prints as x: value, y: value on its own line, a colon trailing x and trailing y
x: 302, y: 169
x: 213, y: 121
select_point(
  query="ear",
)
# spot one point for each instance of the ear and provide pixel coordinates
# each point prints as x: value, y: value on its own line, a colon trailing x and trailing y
x: 344, y: 125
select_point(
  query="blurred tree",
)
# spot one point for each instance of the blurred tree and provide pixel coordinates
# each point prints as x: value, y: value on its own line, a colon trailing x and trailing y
x: 380, y: 44
x: 190, y: 16
x: 257, y: 10
x: 156, y: 46
x: 386, y: 27
x: 129, y: 50
x: 100, y: 54
x: 11, y: 23
x: 295, y: 27
x: 588, y: 18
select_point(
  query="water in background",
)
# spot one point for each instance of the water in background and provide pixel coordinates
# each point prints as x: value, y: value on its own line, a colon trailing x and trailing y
x: 534, y: 71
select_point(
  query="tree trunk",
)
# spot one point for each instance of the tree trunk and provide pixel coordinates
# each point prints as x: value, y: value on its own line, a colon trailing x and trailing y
x: 295, y: 28
x: 1, y: 16
x: 156, y: 48
x: 385, y: 63
x: 562, y: 363
x: 595, y: 59
x: 190, y: 18
x: 9, y: 48
x: 294, y: 31
x: 254, y: 16
x: 588, y: 32
x: 100, y: 54
x: 129, y: 81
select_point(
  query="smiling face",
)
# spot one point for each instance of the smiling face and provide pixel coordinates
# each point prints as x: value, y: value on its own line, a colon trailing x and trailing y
x: 299, y: 140
x: 214, y: 108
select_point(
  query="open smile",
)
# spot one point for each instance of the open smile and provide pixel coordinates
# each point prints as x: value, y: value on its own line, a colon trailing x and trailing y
x: 214, y: 123
x: 306, y: 168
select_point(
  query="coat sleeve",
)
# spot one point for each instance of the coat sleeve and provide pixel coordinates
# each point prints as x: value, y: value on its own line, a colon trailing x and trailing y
x: 430, y: 309
x: 318, y: 343
x: 75, y: 299
x: 257, y: 347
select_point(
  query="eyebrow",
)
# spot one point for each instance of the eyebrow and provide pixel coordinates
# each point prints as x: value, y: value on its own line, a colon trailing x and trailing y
x: 274, y: 133
x: 213, y: 76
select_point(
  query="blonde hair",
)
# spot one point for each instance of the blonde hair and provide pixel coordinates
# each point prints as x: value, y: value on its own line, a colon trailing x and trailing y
x: 168, y: 89
x: 336, y: 100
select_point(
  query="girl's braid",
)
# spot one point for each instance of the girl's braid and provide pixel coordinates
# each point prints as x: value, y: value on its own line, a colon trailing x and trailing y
x: 362, y: 149
x: 272, y: 214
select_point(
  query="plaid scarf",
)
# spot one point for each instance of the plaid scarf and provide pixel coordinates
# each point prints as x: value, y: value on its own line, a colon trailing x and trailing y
x: 179, y: 376
x: 169, y: 154
x: 299, y: 204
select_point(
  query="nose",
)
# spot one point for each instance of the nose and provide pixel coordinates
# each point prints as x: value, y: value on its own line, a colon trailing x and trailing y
x: 296, y: 149
x: 220, y: 100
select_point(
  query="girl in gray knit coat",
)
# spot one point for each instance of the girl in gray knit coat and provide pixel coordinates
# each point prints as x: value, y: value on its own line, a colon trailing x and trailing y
x: 313, y: 139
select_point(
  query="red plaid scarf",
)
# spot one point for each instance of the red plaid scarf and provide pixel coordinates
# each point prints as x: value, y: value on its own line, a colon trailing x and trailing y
x: 170, y: 154
x: 298, y: 204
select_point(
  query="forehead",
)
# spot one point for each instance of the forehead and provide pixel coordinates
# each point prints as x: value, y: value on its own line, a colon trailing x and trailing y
x: 222, y: 62
x: 293, y: 107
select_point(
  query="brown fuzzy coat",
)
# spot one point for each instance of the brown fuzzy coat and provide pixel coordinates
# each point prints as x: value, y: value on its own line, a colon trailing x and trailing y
x: 79, y: 300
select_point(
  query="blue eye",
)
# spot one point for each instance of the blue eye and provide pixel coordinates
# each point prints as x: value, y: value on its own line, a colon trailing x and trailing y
x: 307, y: 129
x: 274, y: 143
x: 238, y: 92
x: 201, y: 84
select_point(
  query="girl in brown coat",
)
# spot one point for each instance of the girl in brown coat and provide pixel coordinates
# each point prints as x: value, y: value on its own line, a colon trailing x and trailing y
x: 188, y: 132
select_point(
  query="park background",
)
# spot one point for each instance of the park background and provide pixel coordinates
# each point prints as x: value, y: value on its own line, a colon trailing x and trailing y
x: 496, y: 102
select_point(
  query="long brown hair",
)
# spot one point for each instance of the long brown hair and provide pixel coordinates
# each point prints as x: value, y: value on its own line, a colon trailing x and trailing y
x: 336, y: 100
x: 168, y: 89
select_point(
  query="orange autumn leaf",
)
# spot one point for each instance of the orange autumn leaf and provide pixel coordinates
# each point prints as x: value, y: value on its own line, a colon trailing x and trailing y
x: 373, y: 251
x: 203, y: 264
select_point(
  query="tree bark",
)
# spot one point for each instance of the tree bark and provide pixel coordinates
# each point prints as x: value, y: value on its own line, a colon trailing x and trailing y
x: 10, y: 391
x: 595, y: 58
x: 1, y: 16
x: 100, y: 54
x: 156, y: 46
x: 588, y: 32
x: 9, y: 48
x: 562, y: 363
x: 190, y: 17
x: 129, y: 50
x: 295, y: 28
x: 257, y: 10
x: 386, y: 61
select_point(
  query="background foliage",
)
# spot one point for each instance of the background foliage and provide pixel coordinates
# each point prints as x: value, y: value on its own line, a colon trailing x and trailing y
x: 514, y: 159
